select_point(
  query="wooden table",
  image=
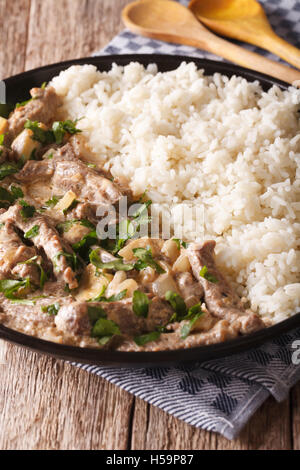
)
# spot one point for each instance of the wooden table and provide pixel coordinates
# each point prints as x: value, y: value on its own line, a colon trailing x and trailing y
x: 45, y: 403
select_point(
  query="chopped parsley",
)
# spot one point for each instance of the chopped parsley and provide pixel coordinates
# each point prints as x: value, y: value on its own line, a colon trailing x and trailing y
x: 182, y: 313
x: 51, y: 309
x: 6, y: 195
x: 206, y: 275
x: 128, y: 228
x: 10, y: 287
x: 178, y: 305
x: 23, y: 301
x: 94, y: 313
x: 7, y: 169
x: 34, y: 261
x: 116, y: 265
x: 60, y: 128
x: 145, y: 259
x: 53, y: 201
x: 33, y: 232
x: 71, y: 259
x: 9, y: 197
x: 27, y: 211
x: 102, y: 328
x: 54, y: 135
x: 194, y: 313
x: 143, y: 339
x: 16, y: 192
x: 112, y: 298
x: 23, y: 103
x: 140, y: 304
x: 82, y: 247
x: 39, y: 134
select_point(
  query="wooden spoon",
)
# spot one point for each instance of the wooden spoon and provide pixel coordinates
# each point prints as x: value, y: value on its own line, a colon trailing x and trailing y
x: 244, y: 20
x: 170, y: 21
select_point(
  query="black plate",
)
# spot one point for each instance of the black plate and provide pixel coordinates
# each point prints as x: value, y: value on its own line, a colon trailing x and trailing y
x: 17, y: 90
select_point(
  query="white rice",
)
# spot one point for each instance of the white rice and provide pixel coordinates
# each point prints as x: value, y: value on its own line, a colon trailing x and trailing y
x: 213, y: 142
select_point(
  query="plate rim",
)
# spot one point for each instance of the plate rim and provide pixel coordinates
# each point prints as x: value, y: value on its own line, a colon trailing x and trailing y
x: 149, y: 358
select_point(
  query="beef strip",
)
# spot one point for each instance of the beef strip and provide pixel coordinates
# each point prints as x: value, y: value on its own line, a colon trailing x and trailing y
x: 220, y: 332
x: 73, y: 318
x: 35, y: 171
x: 13, y: 252
x: 27, y: 317
x: 6, y: 154
x: 48, y: 240
x: 191, y: 290
x: 220, y: 298
x: 160, y: 312
x: 42, y: 108
x: 69, y: 173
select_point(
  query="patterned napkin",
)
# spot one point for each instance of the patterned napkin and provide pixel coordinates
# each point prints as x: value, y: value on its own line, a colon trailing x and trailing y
x: 218, y: 395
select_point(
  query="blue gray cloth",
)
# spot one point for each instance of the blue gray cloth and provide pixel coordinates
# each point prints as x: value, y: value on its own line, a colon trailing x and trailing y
x: 218, y: 395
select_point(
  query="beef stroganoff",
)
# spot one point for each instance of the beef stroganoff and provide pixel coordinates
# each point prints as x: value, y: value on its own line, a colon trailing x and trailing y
x: 87, y: 140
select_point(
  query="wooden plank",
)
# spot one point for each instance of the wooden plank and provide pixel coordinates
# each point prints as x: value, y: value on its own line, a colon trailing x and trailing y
x: 269, y: 428
x: 14, y: 17
x: 296, y: 416
x: 152, y: 429
x: 70, y: 29
x: 48, y: 404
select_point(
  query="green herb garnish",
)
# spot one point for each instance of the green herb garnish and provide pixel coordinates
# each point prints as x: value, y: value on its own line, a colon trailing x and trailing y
x: 54, y: 135
x: 59, y: 129
x: 53, y: 201
x: 143, y: 339
x: 71, y: 259
x: 51, y: 309
x: 33, y: 232
x: 27, y: 211
x: 65, y: 226
x: 206, y: 275
x: 140, y: 304
x: 16, y: 192
x: 104, y: 330
x: 23, y: 103
x: 94, y: 313
x: 145, y: 259
x: 34, y: 261
x: 23, y: 301
x: 194, y: 313
x: 7, y: 169
x: 82, y: 247
x: 5, y: 195
x: 39, y: 134
x: 178, y: 305
x: 112, y: 298
x: 9, y: 287
x: 10, y: 196
x: 116, y: 265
